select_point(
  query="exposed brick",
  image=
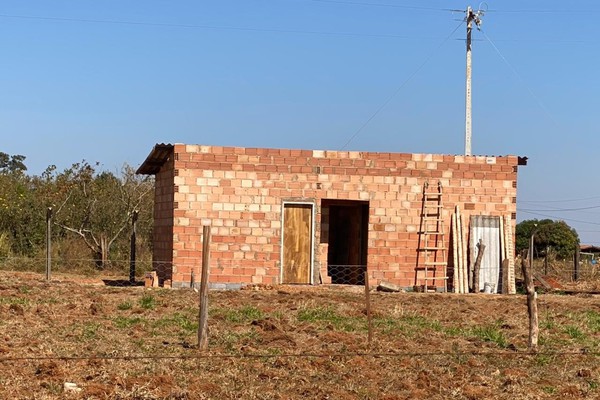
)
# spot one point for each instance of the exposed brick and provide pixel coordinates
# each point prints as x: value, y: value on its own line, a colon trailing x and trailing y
x: 240, y: 193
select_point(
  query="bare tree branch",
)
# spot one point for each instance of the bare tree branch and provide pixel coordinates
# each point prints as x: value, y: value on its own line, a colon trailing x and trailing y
x: 81, y: 233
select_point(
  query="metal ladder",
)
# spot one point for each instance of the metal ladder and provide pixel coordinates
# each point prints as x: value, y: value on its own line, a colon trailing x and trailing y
x: 431, y: 252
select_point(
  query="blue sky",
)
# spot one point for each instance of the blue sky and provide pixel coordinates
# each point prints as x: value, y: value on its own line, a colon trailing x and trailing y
x: 105, y: 81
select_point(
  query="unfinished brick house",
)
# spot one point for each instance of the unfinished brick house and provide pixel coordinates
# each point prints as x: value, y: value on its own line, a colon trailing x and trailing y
x: 310, y: 216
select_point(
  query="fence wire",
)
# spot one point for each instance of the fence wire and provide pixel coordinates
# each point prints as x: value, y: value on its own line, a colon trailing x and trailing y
x: 82, y: 320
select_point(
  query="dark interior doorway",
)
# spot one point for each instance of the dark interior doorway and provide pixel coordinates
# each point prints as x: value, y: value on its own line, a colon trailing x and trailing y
x: 348, y: 225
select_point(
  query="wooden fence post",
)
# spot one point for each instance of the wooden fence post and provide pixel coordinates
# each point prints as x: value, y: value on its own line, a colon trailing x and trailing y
x: 526, y: 266
x: 203, y: 316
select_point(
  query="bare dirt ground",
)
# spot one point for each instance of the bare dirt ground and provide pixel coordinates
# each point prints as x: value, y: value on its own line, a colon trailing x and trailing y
x: 288, y: 343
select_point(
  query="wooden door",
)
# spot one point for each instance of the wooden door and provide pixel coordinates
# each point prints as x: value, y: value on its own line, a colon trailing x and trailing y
x: 297, y: 243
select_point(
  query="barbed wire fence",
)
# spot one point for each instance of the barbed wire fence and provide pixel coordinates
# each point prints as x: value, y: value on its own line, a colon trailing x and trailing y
x: 353, y: 328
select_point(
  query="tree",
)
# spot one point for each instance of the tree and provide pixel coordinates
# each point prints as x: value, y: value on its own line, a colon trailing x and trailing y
x: 89, y: 205
x: 14, y: 164
x: 97, y: 206
x: 20, y: 228
x: 556, y: 235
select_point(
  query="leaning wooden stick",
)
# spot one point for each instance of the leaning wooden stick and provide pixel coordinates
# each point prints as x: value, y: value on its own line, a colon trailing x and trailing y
x: 477, y: 266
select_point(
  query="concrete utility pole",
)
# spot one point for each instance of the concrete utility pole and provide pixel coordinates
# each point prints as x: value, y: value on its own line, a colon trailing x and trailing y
x: 471, y: 16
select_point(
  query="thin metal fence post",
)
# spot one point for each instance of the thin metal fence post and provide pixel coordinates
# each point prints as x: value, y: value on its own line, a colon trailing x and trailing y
x: 132, y: 255
x: 576, y: 264
x: 203, y: 315
x: 368, y: 306
x: 48, y: 243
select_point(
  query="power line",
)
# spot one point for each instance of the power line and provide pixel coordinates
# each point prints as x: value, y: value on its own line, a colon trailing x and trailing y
x: 215, y: 27
x: 560, y: 201
x: 558, y: 218
x: 269, y: 30
x: 540, y: 103
x: 562, y: 209
x: 405, y: 7
x: 386, y: 102
x: 537, y: 11
x: 499, y: 11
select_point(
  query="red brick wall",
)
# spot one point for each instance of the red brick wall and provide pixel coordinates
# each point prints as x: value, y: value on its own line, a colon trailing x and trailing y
x: 239, y: 192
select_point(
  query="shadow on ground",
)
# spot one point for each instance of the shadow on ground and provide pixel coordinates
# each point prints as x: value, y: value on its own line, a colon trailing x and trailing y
x: 121, y: 282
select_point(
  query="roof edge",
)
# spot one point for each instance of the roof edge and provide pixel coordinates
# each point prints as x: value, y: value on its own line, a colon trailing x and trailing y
x: 522, y: 161
x: 156, y: 159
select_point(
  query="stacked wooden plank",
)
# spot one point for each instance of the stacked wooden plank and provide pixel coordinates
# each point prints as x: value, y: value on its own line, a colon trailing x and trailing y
x: 461, y: 272
x: 510, y: 255
x: 459, y: 252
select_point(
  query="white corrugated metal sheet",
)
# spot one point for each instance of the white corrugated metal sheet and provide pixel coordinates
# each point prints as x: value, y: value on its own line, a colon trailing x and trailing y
x: 487, y: 229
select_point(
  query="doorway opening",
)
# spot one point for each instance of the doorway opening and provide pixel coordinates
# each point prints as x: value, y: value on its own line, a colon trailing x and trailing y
x: 345, y: 227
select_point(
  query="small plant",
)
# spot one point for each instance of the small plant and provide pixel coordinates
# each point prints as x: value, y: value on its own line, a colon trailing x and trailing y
x: 331, y: 316
x: 147, y: 302
x: 453, y: 331
x: 547, y: 323
x: 413, y: 324
x: 419, y: 321
x: 126, y: 305
x: 53, y: 387
x: 233, y: 340
x: 490, y: 333
x: 25, y: 289
x: 318, y: 314
x: 542, y: 360
x: 14, y: 300
x: 549, y: 389
x: 244, y: 314
x: 574, y: 332
x: 387, y: 324
x: 90, y: 331
x: 179, y: 320
x: 126, y: 322
x: 185, y: 323
x: 593, y: 321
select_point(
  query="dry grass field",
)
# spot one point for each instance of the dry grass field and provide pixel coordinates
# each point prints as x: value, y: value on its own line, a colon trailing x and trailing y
x: 288, y: 343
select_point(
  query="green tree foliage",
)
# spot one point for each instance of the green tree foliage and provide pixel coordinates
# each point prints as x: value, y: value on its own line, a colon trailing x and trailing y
x: 90, y: 206
x: 557, y: 236
x: 14, y: 164
x: 19, y: 223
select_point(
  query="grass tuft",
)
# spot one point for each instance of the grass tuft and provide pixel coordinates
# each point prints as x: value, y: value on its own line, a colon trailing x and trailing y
x: 90, y: 331
x: 318, y: 314
x: 574, y: 332
x: 490, y: 333
x: 243, y: 315
x: 126, y: 305
x: 593, y: 321
x: 178, y: 320
x: 147, y: 302
x: 126, y: 322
